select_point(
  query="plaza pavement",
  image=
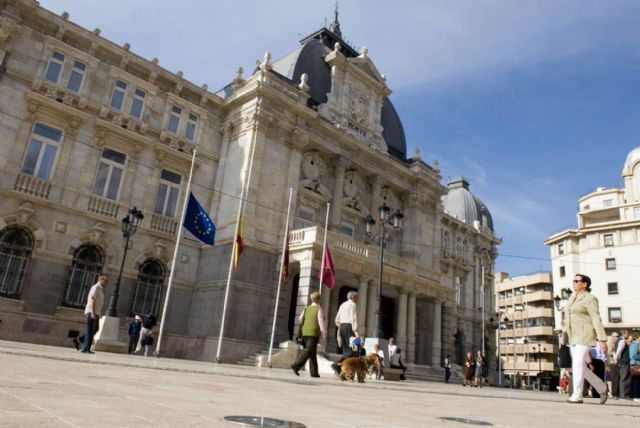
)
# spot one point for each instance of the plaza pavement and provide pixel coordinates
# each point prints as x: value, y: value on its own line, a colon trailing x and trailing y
x: 45, y: 386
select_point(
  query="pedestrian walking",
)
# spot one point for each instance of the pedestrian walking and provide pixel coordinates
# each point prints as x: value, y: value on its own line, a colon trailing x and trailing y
x: 621, y: 385
x: 469, y: 369
x: 634, y: 353
x: 447, y: 368
x: 313, y: 325
x: 92, y: 311
x: 146, y: 338
x: 347, y: 323
x: 481, y: 364
x: 134, y: 333
x: 582, y: 325
x: 598, y: 366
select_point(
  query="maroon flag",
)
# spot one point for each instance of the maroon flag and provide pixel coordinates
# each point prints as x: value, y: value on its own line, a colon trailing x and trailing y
x: 329, y: 277
x: 285, y: 263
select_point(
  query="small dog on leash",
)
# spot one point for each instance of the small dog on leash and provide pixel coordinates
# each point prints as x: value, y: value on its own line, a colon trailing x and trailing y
x: 352, y: 367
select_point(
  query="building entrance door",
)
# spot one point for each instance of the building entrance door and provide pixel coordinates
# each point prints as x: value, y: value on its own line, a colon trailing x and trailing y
x: 293, y: 304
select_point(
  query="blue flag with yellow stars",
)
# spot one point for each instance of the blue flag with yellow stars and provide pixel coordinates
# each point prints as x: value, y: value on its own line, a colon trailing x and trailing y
x: 197, y: 221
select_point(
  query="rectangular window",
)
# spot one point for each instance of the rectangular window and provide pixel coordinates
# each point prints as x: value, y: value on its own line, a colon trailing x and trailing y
x: 119, y: 90
x: 612, y: 287
x: 76, y: 79
x: 109, y: 176
x: 636, y: 212
x: 168, y: 191
x: 611, y: 264
x: 190, y: 131
x: 608, y: 240
x: 560, y: 249
x: 54, y: 69
x: 137, y: 104
x: 174, y: 119
x: 562, y: 271
x: 347, y: 229
x: 615, y: 315
x: 607, y: 203
x: 42, y: 150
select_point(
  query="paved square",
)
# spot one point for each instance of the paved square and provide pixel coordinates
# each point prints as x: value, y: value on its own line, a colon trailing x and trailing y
x: 60, y: 387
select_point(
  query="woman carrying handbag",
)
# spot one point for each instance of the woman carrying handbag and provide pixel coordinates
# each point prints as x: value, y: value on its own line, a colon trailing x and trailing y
x: 583, y: 325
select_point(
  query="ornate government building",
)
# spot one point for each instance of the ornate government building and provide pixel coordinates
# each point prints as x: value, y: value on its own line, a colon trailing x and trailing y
x: 89, y: 130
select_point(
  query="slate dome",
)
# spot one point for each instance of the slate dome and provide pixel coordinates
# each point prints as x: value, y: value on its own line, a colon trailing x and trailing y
x: 460, y: 203
x: 309, y: 58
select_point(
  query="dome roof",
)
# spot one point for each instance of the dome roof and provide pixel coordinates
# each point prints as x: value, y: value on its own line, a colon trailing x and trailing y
x: 309, y: 58
x: 632, y: 157
x: 460, y: 203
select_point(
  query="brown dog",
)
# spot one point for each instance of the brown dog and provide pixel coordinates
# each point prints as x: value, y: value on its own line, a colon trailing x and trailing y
x: 375, y: 365
x: 352, y: 367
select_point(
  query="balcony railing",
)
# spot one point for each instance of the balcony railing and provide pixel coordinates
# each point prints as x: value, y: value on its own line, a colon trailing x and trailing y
x: 531, y: 331
x: 163, y: 224
x: 312, y: 236
x: 105, y: 207
x: 33, y: 186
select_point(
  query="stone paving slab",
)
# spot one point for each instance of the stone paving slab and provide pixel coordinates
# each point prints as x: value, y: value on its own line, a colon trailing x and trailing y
x: 60, y: 387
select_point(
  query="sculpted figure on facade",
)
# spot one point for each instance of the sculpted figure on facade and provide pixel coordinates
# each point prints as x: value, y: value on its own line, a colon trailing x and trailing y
x: 8, y: 30
x: 314, y: 170
x: 354, y: 189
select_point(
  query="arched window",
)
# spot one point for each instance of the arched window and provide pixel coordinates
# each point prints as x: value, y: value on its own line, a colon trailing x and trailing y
x: 16, y: 245
x: 83, y: 273
x: 148, y: 289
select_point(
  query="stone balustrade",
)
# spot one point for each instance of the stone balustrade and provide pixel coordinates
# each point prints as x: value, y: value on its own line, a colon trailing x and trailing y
x: 33, y: 186
x: 102, y: 206
x: 163, y: 224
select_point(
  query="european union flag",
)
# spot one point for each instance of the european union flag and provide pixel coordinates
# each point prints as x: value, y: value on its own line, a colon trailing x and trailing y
x: 197, y: 221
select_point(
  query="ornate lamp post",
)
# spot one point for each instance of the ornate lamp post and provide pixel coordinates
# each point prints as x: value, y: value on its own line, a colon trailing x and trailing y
x: 395, y: 221
x: 539, y: 350
x: 130, y: 225
x: 495, y: 325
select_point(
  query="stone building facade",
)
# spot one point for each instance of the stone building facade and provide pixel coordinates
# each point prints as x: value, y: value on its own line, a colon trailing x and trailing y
x: 604, y: 246
x: 90, y: 129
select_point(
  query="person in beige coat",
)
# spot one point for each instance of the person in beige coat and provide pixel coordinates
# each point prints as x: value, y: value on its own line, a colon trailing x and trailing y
x: 582, y: 327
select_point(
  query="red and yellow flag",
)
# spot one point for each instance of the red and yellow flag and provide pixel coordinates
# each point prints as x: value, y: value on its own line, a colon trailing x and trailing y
x: 239, y: 246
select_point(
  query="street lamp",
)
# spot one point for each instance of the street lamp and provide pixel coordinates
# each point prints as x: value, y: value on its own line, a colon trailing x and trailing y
x: 513, y: 377
x: 539, y: 350
x: 394, y: 220
x: 130, y: 225
x: 495, y: 325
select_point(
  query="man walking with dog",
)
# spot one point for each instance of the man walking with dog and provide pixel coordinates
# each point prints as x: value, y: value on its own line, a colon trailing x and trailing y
x: 347, y: 323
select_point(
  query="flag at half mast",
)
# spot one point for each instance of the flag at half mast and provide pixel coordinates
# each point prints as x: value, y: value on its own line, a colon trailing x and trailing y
x: 329, y: 277
x: 198, y: 222
x: 238, y: 247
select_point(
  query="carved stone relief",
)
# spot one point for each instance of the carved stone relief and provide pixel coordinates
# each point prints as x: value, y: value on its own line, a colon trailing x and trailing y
x: 314, y: 170
x: 354, y: 189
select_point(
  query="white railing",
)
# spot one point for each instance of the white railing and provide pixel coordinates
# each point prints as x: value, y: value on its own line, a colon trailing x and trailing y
x: 33, y: 186
x: 163, y: 224
x: 105, y: 207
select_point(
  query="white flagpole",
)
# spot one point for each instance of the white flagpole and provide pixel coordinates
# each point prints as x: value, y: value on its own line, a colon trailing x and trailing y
x: 244, y: 194
x: 284, y: 248
x: 175, y: 254
x: 324, y: 246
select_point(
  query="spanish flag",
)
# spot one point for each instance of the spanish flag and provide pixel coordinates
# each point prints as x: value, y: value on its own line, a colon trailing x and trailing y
x: 239, y: 246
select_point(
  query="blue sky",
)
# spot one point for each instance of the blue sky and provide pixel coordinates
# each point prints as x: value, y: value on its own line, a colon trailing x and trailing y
x: 535, y: 102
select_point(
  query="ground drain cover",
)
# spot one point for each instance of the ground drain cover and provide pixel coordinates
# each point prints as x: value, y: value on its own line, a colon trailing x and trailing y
x: 261, y: 421
x: 466, y: 421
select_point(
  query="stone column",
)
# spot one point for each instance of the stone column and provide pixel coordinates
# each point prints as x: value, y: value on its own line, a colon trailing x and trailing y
x: 401, y: 330
x: 362, y: 304
x: 411, y: 328
x: 338, y: 193
x: 371, y: 306
x: 437, y: 334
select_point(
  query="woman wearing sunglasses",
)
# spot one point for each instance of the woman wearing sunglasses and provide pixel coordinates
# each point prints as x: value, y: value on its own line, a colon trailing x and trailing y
x: 582, y: 326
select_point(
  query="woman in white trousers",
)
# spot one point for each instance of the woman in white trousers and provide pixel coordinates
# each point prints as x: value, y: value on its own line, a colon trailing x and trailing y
x: 582, y: 326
